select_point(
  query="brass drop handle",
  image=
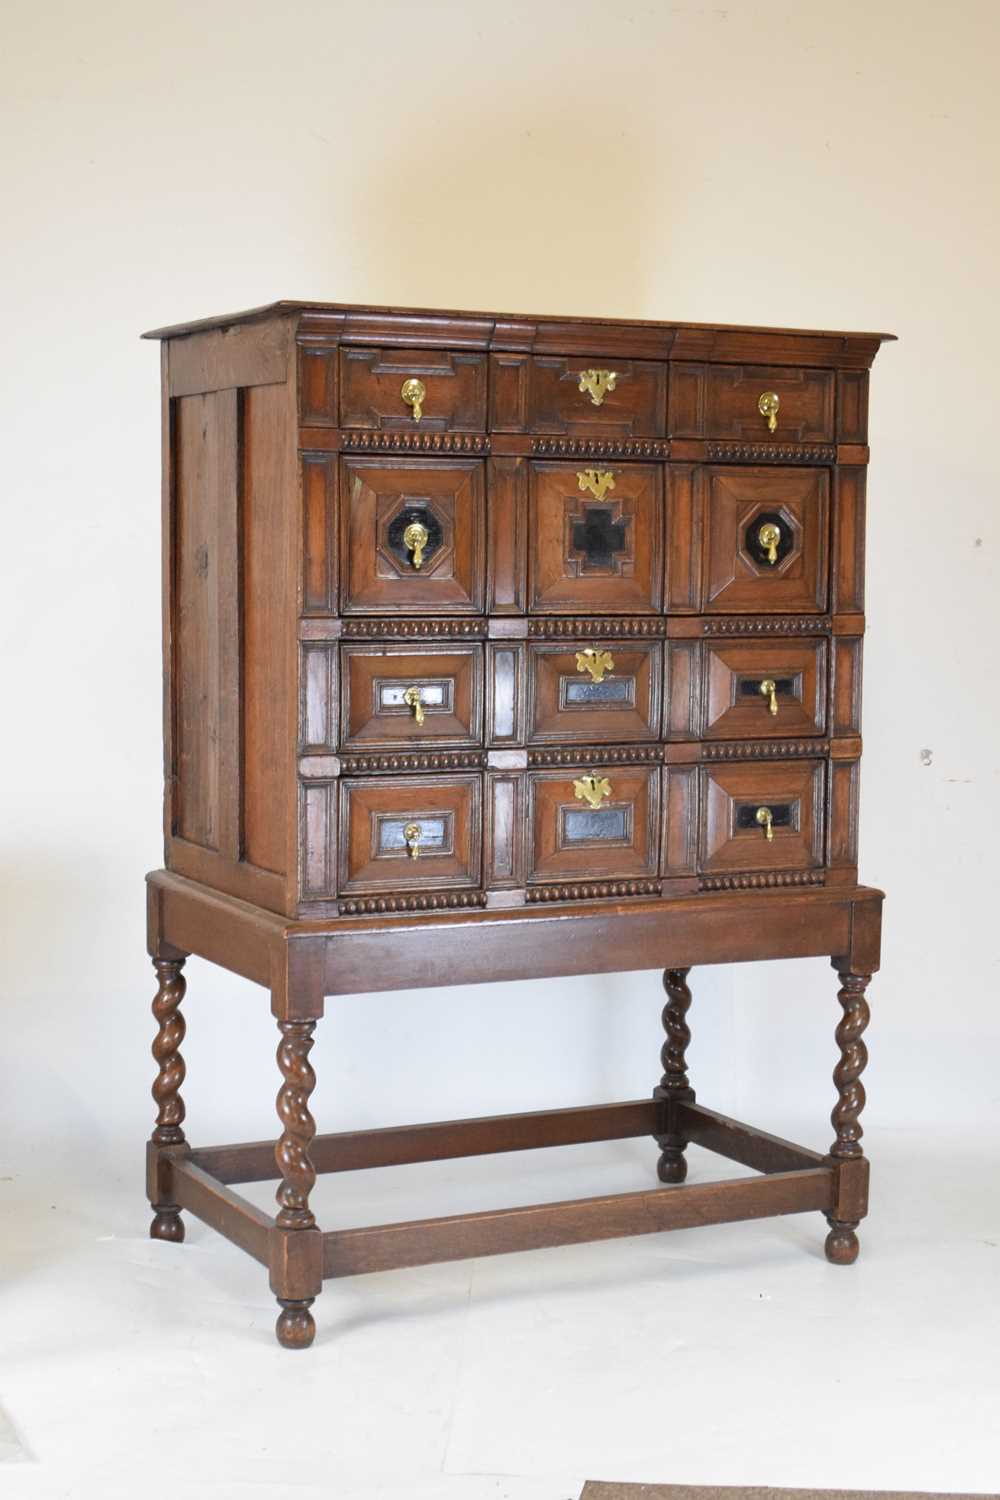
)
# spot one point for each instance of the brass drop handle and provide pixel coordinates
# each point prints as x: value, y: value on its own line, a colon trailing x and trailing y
x: 592, y: 790
x: 768, y: 690
x: 768, y: 407
x: 412, y: 834
x: 769, y: 536
x: 596, y: 662
x: 765, y: 817
x: 412, y: 700
x: 415, y: 539
x: 597, y: 383
x: 413, y: 393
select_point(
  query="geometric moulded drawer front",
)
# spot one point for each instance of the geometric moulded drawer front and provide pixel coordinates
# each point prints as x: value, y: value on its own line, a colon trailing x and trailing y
x: 424, y: 697
x: 757, y: 403
x: 595, y: 538
x: 572, y: 398
x: 412, y: 536
x: 593, y: 822
x: 412, y: 390
x: 593, y: 691
x: 766, y: 816
x: 406, y: 833
x: 773, y: 688
x: 766, y: 540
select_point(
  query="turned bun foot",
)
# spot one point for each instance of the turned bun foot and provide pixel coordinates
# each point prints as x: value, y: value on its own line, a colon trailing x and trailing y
x: 672, y: 1167
x: 296, y: 1327
x: 841, y: 1244
x: 167, y: 1225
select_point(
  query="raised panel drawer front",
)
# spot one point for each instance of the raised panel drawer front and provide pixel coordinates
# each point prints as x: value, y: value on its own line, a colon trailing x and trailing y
x: 408, y: 833
x: 593, y: 822
x: 578, y: 397
x: 758, y: 403
x: 415, y: 390
x: 595, y: 538
x: 396, y: 696
x: 766, y: 540
x: 767, y: 816
x: 771, y: 689
x: 601, y: 692
x: 413, y: 536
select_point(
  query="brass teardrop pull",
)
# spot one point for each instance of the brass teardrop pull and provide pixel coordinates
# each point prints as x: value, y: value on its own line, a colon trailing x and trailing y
x: 765, y: 817
x: 413, y: 393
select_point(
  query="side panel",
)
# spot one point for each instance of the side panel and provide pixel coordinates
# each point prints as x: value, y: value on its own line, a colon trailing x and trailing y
x: 231, y: 531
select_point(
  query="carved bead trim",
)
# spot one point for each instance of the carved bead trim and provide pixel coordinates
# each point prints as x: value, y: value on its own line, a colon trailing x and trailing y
x: 774, y: 453
x: 614, y: 755
x: 412, y: 629
x: 775, y: 625
x: 373, y: 906
x: 556, y: 629
x: 428, y: 760
x: 417, y: 442
x: 766, y: 750
x: 763, y: 881
x: 582, y: 447
x: 592, y: 890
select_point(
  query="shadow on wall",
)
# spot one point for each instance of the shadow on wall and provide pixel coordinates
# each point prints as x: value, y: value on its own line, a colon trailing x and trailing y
x: 480, y: 209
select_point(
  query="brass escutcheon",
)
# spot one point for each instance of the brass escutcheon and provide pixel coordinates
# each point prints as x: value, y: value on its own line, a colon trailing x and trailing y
x: 768, y: 690
x: 597, y: 383
x: 765, y: 817
x: 596, y: 481
x: 592, y: 789
x: 769, y: 536
x: 768, y: 407
x: 415, y: 539
x: 413, y: 393
x: 595, y: 661
x: 412, y: 700
x: 412, y: 834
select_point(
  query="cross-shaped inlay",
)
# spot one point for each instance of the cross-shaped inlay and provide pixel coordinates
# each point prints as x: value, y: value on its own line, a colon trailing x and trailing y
x: 599, y: 537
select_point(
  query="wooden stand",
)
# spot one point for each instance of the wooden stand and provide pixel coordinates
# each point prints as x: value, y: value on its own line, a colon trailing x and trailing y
x: 301, y: 962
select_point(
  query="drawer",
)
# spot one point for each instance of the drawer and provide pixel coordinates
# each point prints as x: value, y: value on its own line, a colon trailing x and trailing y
x: 394, y: 696
x: 412, y: 537
x: 595, y: 538
x: 765, y: 541
x: 410, y: 832
x: 767, y: 816
x: 770, y: 689
x: 593, y: 822
x: 404, y: 389
x: 604, y: 693
x: 760, y: 403
x: 578, y: 397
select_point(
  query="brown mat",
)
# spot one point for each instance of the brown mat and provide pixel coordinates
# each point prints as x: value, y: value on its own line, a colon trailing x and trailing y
x: 596, y: 1489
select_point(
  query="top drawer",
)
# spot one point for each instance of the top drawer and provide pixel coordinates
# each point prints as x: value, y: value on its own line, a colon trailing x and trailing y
x: 592, y: 397
x: 763, y: 403
x: 418, y: 389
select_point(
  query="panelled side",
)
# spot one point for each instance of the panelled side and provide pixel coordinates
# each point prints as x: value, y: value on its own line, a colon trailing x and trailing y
x: 230, y: 534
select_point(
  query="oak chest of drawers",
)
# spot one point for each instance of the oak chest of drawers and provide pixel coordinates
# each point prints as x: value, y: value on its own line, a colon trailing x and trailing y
x: 498, y: 647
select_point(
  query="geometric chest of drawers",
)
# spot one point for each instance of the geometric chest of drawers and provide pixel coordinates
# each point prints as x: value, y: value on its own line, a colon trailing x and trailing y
x: 499, y: 647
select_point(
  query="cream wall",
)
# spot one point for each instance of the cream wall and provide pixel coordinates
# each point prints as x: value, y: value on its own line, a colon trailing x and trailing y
x: 797, y: 164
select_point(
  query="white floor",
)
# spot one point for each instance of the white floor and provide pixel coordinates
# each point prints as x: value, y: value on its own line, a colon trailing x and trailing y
x: 735, y: 1355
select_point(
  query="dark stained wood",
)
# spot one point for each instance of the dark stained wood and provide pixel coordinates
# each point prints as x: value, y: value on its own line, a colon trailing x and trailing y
x: 743, y: 1143
x: 584, y: 487
x: 226, y: 1212
x: 674, y: 1087
x: 403, y: 1145
x: 350, y: 1252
